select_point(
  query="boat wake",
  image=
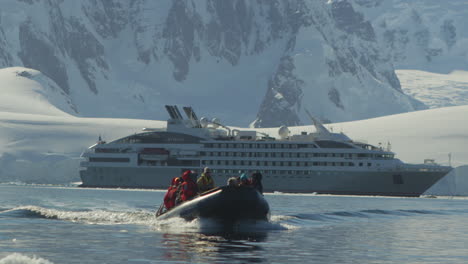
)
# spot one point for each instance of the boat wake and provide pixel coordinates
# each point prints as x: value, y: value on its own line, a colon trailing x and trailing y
x: 85, y: 216
x: 17, y: 258
x: 209, y: 226
x: 213, y: 226
x: 142, y: 217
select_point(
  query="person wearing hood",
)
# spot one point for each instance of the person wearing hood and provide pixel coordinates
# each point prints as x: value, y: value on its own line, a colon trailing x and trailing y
x: 172, y: 192
x: 205, y: 182
x: 244, y: 180
x: 189, y: 188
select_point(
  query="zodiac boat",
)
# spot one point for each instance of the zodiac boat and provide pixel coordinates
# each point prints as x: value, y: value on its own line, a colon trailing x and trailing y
x: 227, y: 204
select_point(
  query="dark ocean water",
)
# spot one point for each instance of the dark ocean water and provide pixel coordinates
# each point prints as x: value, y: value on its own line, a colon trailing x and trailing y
x: 46, y: 224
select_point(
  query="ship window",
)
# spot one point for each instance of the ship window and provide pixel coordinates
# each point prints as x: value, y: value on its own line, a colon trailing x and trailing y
x: 360, y: 164
x: 369, y: 164
x: 332, y: 144
x: 109, y: 159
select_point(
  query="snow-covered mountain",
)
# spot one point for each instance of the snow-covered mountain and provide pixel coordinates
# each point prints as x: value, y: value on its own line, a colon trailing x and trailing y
x: 41, y: 143
x: 261, y: 61
x: 428, y: 44
x: 427, y: 35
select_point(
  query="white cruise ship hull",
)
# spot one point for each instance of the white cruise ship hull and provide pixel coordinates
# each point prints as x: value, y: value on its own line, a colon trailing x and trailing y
x: 387, y: 183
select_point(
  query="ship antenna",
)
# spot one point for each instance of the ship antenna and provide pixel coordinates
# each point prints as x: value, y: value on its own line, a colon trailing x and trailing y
x: 100, y: 141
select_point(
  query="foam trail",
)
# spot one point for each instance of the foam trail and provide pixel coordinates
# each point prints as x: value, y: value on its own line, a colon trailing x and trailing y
x: 206, y: 225
x: 88, y: 217
x: 17, y: 258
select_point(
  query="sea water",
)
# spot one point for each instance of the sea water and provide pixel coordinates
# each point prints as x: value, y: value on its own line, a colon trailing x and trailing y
x: 53, y: 224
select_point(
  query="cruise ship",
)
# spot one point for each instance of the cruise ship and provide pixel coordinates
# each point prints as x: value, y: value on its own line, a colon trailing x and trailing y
x: 321, y: 162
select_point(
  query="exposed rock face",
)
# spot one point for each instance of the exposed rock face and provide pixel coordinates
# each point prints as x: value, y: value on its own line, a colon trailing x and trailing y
x: 283, y: 97
x: 123, y: 58
x: 421, y: 34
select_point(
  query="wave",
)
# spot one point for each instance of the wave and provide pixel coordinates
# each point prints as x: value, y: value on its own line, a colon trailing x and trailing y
x: 83, y: 216
x: 140, y: 217
x: 17, y: 258
x: 370, y: 213
x: 307, y: 219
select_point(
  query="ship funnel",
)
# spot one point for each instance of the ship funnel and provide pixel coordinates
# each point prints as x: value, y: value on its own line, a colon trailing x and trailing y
x: 173, y: 112
x: 192, y: 116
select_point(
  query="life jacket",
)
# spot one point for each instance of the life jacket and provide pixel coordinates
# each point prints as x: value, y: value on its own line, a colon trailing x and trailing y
x: 171, y: 194
x: 188, y: 188
x: 205, y: 183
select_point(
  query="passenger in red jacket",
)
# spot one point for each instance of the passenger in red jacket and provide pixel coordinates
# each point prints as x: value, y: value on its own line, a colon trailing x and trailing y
x: 189, y: 187
x: 172, y: 192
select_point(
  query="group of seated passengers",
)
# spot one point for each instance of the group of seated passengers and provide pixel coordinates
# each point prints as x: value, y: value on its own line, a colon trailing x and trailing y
x: 255, y: 181
x: 187, y: 186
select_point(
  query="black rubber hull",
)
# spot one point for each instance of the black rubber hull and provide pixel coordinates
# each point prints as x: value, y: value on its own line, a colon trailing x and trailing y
x: 225, y: 204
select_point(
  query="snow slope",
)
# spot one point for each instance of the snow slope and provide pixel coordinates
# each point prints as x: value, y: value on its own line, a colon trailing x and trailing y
x: 39, y: 143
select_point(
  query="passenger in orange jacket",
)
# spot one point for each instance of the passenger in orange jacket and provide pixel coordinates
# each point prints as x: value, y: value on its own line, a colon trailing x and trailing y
x: 189, y: 187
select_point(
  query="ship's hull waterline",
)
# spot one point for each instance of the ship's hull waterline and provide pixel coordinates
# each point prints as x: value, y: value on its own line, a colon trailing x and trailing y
x: 386, y: 183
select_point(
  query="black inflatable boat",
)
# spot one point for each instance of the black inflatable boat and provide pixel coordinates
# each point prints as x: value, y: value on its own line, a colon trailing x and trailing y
x: 225, y: 203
